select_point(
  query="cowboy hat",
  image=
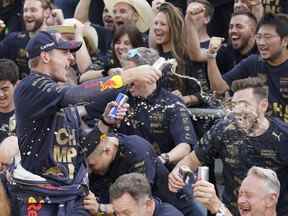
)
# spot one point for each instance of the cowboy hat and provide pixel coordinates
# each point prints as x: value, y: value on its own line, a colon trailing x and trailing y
x: 142, y: 7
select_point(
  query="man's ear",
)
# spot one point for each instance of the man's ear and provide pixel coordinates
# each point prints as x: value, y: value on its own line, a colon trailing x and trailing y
x: 271, y: 200
x: 135, y: 16
x: 263, y: 105
x: 284, y: 43
x: 45, y: 57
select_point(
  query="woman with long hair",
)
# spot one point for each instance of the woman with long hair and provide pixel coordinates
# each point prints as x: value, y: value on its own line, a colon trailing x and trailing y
x: 167, y: 36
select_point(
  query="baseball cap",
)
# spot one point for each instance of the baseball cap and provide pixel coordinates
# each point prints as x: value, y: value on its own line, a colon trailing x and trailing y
x: 46, y: 41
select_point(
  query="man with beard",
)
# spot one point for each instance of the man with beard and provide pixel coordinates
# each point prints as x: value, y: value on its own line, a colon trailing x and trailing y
x: 36, y: 14
x: 271, y: 40
x: 241, y: 44
x: 244, y: 138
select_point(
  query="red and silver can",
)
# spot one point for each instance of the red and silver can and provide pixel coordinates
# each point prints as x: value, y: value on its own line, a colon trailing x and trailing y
x: 203, y: 173
x: 120, y: 100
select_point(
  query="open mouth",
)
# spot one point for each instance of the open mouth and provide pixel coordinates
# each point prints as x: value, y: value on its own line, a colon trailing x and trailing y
x: 245, y: 211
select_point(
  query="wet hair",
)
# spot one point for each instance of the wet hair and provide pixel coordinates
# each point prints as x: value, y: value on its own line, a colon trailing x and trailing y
x: 209, y: 9
x: 279, y: 21
x: 134, y: 35
x: 247, y: 14
x: 143, y: 55
x: 9, y: 71
x: 135, y: 184
x: 258, y: 84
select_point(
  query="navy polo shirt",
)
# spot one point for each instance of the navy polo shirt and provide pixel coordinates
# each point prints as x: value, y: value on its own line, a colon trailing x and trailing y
x: 48, y: 127
x: 240, y: 152
x: 13, y: 47
x: 162, y: 119
x: 277, y: 81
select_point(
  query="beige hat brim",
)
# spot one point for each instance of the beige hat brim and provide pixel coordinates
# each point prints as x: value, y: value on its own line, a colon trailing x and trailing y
x: 143, y: 9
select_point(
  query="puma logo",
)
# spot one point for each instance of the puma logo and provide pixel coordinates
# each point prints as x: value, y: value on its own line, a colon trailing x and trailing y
x: 276, y: 135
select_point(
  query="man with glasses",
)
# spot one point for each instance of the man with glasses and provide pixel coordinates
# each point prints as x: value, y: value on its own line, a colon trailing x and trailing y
x: 271, y: 63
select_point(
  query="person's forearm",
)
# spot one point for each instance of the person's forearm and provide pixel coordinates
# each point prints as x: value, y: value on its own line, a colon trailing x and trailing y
x: 193, y: 44
x: 258, y: 11
x: 191, y: 161
x: 179, y: 152
x: 77, y: 95
x: 82, y: 11
x: 217, y: 83
x: 83, y: 59
x: 191, y: 100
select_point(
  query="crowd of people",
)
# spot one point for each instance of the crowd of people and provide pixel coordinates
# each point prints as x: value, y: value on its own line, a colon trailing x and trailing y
x: 115, y: 107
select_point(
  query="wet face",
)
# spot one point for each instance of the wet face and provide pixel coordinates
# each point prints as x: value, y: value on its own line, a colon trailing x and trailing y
x: 122, y: 46
x: 33, y: 15
x: 59, y: 63
x: 241, y: 31
x: 127, y: 206
x: 161, y: 30
x: 6, y: 96
x: 100, y: 160
x: 253, y: 197
x: 123, y: 13
x: 107, y: 19
x: 245, y: 108
x: 269, y: 43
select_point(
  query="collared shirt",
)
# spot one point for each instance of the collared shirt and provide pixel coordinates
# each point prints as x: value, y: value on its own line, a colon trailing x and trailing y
x: 162, y: 119
x: 240, y: 152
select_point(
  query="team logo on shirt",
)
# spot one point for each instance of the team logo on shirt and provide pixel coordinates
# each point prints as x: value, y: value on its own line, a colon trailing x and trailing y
x: 64, y: 151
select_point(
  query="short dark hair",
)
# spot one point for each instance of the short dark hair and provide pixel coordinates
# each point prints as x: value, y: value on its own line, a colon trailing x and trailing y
x: 135, y: 184
x: 246, y: 13
x: 135, y: 37
x: 279, y: 21
x: 208, y: 6
x: 258, y: 84
x: 9, y: 71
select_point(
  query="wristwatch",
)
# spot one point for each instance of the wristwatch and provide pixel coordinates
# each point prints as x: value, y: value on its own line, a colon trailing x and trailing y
x: 221, y: 210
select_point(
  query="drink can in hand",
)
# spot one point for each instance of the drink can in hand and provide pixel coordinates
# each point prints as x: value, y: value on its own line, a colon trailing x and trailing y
x: 120, y: 100
x: 203, y: 173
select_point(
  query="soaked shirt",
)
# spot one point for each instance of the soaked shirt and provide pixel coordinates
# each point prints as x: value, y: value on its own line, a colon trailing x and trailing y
x: 240, y: 152
x: 136, y: 155
x: 48, y: 127
x: 162, y: 119
x: 277, y: 81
